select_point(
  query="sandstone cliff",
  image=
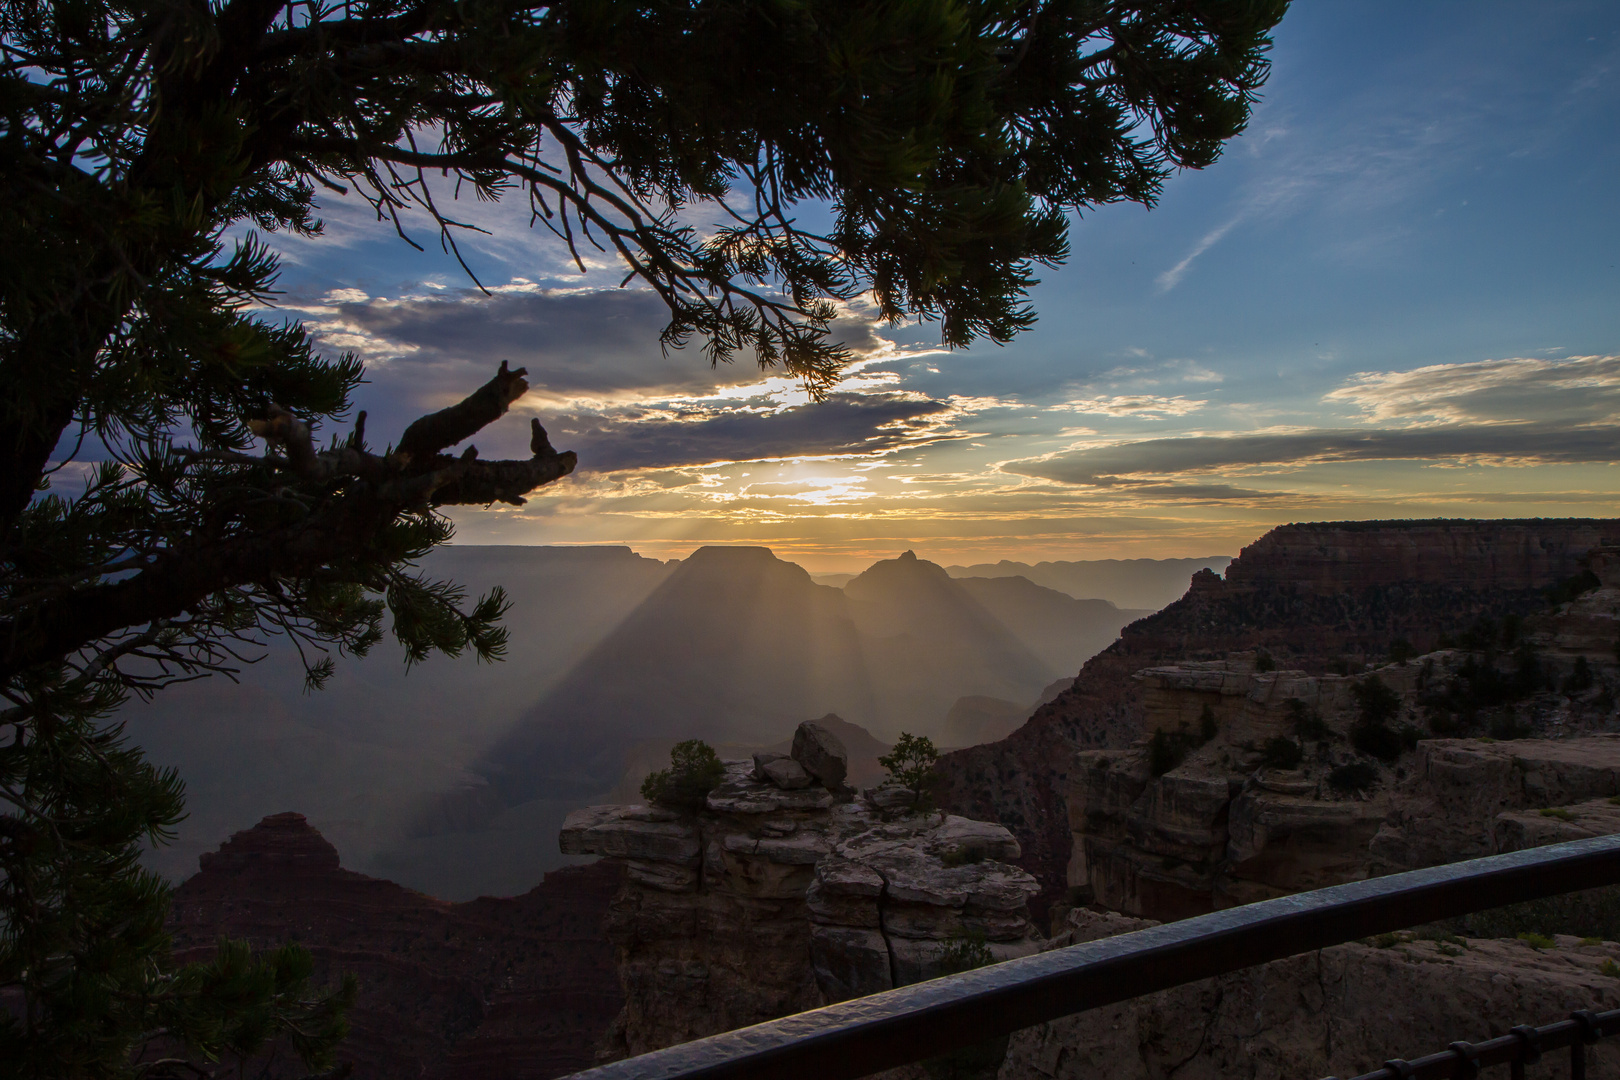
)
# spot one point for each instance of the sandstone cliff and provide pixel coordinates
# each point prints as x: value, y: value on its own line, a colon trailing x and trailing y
x: 1281, y: 791
x: 1317, y: 598
x: 772, y: 901
x: 1341, y: 1011
x: 520, y: 988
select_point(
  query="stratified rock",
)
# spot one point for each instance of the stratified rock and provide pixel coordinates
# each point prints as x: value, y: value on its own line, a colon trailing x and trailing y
x: 890, y: 797
x: 850, y: 961
x: 508, y: 989
x: 631, y: 832
x: 822, y: 754
x: 784, y: 772
x: 1315, y: 597
x: 1342, y: 1011
x: 741, y: 794
x: 1210, y: 833
x: 799, y: 902
x: 286, y: 842
x: 1452, y: 808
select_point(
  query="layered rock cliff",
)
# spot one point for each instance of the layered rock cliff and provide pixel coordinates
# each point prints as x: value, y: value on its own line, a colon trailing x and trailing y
x: 772, y: 901
x: 1342, y: 1011
x: 1256, y: 783
x: 1317, y: 598
x: 520, y: 988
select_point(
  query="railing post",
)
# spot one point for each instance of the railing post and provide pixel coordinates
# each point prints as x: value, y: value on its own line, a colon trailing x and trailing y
x: 1529, y: 1050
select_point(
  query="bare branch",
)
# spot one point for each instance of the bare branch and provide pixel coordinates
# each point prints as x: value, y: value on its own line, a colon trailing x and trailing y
x: 478, y: 410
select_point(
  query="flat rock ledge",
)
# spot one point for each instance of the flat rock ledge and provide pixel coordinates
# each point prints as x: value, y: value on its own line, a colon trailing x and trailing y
x: 771, y: 901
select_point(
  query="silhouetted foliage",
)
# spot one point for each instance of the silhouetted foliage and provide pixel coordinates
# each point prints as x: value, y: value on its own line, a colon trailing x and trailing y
x: 694, y: 771
x: 1263, y: 661
x: 1401, y: 650
x: 1507, y: 725
x: 1308, y: 723
x: 1354, y: 776
x: 910, y: 763
x: 146, y: 147
x: 1571, y: 587
x: 965, y: 951
x: 1168, y: 749
x: 1580, y: 678
x: 1372, y: 733
x: 1281, y: 752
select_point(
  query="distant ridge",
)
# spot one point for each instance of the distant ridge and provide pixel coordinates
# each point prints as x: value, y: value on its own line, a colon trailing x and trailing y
x: 1127, y: 583
x: 453, y: 778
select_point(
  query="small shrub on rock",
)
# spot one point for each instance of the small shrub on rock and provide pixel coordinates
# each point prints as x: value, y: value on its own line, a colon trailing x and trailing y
x: 1167, y: 749
x: 1509, y: 726
x: 694, y: 771
x: 964, y: 951
x: 1371, y: 734
x: 1572, y: 587
x: 1308, y: 723
x: 911, y: 764
x: 1579, y: 679
x: 1281, y: 752
x: 1356, y: 776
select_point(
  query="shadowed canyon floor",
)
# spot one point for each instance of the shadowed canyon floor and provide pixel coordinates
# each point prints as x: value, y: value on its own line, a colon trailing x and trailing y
x: 495, y: 989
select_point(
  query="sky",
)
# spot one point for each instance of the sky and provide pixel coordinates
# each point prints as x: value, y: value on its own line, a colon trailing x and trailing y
x: 1395, y: 296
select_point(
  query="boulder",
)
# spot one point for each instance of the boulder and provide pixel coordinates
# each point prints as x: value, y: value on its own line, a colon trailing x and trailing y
x: 787, y: 774
x: 761, y: 759
x: 849, y: 962
x: 822, y: 754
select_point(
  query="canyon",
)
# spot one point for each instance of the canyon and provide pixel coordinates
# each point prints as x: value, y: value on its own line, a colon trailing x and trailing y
x: 521, y: 988
x: 1350, y: 700
x: 1316, y: 598
x: 454, y: 777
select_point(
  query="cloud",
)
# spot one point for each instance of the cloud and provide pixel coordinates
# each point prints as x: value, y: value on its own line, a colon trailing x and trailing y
x: 845, y: 425
x: 1151, y: 461
x: 600, y: 381
x: 1172, y: 277
x: 1577, y: 391
x: 1133, y: 405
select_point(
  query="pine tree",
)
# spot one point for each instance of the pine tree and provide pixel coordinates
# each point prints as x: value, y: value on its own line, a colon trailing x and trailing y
x: 950, y: 140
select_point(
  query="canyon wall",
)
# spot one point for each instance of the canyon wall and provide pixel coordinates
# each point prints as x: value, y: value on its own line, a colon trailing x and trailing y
x: 1255, y: 783
x: 498, y: 989
x: 1341, y: 1011
x: 771, y: 901
x: 1316, y: 597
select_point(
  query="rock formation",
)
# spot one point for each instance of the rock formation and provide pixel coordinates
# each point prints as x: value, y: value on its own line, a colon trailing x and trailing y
x: 1341, y: 1011
x: 776, y: 899
x: 1316, y: 598
x: 1277, y: 793
x: 518, y: 988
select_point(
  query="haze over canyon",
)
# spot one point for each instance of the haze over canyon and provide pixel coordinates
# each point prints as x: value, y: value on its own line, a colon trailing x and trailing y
x: 453, y: 778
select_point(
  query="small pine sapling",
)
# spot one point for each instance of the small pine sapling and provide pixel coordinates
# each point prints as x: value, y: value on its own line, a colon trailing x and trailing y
x: 694, y: 771
x: 911, y: 765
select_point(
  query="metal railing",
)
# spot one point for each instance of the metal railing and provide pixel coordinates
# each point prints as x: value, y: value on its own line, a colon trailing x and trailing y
x: 1522, y: 1046
x: 865, y: 1035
